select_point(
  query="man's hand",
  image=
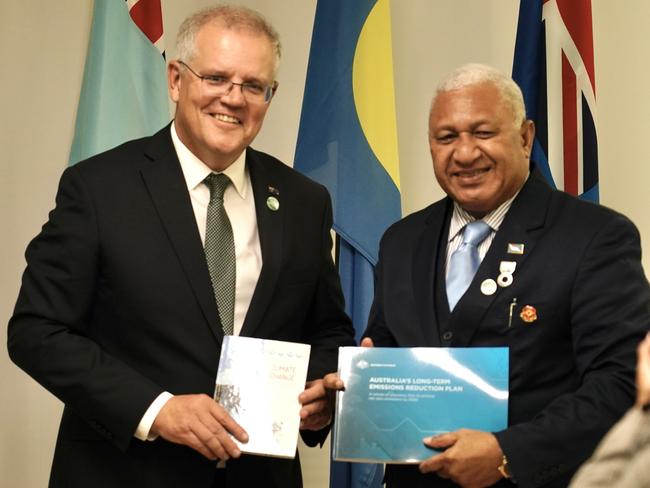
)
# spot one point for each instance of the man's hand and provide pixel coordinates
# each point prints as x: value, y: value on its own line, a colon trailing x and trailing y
x: 318, y: 402
x: 201, y: 423
x: 643, y: 372
x: 318, y: 398
x: 470, y: 459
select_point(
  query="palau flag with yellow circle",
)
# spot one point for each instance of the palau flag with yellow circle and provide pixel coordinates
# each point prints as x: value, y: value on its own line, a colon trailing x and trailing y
x: 348, y: 142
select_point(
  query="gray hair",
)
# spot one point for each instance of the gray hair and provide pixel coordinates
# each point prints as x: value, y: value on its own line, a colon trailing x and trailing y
x: 476, y: 74
x: 230, y: 17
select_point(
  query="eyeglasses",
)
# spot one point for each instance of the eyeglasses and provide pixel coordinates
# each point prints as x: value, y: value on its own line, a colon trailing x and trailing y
x: 218, y: 86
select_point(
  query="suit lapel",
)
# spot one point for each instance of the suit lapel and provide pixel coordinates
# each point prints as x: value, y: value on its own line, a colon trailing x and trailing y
x: 527, y: 214
x: 166, y: 185
x: 424, y: 264
x: 270, y: 225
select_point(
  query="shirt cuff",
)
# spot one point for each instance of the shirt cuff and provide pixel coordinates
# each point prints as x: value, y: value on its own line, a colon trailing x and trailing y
x: 142, y: 432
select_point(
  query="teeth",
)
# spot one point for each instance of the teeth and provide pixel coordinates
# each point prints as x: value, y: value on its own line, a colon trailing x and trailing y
x: 227, y: 118
x: 471, y: 173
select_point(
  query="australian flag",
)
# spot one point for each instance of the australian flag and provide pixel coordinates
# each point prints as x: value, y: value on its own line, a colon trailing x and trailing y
x: 554, y: 66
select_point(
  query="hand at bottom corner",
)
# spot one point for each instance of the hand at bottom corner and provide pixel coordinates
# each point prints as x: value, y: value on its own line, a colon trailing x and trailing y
x: 470, y: 458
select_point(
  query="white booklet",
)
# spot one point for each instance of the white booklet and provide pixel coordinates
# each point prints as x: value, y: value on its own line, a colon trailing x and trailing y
x: 258, y: 383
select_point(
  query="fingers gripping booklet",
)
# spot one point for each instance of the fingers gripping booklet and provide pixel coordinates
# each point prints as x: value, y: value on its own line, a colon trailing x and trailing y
x: 395, y: 397
x: 258, y: 383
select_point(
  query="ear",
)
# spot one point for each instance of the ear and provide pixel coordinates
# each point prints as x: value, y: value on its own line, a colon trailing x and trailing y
x: 527, y: 136
x: 275, y: 90
x: 174, y: 80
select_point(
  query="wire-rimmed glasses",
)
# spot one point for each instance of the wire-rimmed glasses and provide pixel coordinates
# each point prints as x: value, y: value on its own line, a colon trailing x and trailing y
x: 218, y: 86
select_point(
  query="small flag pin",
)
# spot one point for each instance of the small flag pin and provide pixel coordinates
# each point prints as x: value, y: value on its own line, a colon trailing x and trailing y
x: 515, y: 248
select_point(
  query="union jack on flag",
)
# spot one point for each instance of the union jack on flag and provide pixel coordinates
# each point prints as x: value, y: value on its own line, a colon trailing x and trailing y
x: 554, y: 66
x: 147, y: 15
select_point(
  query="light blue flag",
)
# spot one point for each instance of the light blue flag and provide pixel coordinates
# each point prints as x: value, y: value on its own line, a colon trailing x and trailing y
x: 124, y: 91
x: 348, y: 142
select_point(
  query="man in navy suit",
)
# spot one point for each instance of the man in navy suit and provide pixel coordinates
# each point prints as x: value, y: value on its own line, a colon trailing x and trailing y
x: 117, y: 315
x: 560, y: 283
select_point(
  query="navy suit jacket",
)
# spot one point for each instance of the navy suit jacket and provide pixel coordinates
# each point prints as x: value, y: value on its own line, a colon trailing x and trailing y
x: 572, y: 368
x: 116, y: 306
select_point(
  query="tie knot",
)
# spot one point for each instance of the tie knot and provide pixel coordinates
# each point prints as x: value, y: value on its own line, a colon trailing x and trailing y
x: 475, y: 232
x: 217, y: 183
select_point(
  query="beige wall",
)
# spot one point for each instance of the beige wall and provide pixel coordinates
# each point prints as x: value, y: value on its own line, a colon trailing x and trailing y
x: 43, y: 44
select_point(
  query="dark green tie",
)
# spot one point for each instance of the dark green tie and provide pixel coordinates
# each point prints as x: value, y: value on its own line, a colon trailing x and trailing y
x: 220, y: 251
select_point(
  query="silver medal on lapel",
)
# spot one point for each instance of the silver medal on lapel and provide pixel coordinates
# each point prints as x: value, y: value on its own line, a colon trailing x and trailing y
x: 506, y: 269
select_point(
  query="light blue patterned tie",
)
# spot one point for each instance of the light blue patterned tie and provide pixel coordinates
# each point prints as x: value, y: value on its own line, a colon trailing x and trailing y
x: 220, y: 251
x: 465, y: 261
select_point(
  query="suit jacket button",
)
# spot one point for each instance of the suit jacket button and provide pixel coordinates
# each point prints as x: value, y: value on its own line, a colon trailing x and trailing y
x: 447, y: 336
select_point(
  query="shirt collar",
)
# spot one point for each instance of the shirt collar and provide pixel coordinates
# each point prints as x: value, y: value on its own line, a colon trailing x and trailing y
x: 460, y: 217
x: 195, y: 170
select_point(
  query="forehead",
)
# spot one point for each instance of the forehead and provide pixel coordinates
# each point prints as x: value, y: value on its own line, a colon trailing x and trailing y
x: 234, y: 47
x: 471, y: 104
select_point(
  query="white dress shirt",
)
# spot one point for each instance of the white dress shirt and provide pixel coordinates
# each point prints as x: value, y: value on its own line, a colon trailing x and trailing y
x: 239, y: 203
x: 460, y: 218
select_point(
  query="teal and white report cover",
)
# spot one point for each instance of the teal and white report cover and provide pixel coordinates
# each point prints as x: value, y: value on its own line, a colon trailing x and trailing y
x: 258, y: 383
x: 395, y: 397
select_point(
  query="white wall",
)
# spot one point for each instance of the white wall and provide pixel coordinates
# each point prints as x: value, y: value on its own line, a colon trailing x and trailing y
x: 43, y: 46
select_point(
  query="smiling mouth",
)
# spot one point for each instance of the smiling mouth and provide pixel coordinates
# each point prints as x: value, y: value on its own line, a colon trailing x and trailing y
x: 469, y: 174
x: 226, y: 118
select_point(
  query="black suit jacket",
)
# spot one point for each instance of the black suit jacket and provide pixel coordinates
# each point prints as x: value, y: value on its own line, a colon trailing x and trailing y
x: 117, y: 306
x: 571, y: 369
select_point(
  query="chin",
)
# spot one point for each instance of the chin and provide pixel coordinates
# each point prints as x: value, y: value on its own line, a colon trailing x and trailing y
x: 475, y: 206
x: 229, y: 147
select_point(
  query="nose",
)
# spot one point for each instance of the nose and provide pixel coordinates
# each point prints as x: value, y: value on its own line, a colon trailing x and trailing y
x: 466, y: 151
x: 234, y: 95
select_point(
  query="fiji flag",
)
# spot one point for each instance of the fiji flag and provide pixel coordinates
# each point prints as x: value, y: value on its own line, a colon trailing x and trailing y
x: 124, y: 91
x: 348, y: 142
x: 554, y: 66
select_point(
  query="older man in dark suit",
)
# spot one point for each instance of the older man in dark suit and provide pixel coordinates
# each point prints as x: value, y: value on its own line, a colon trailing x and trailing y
x: 122, y: 312
x: 560, y: 283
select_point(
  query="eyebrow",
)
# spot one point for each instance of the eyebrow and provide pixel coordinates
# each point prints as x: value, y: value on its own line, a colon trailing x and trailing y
x: 473, y: 125
x: 225, y: 74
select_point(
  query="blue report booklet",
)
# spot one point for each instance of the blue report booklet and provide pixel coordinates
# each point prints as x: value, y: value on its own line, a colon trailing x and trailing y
x: 394, y: 397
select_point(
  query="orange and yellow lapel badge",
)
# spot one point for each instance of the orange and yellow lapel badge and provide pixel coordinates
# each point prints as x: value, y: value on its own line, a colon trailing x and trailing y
x: 528, y: 314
